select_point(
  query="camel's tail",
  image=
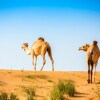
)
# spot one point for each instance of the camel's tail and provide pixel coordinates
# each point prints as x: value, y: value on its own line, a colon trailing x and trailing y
x: 49, y: 51
x: 50, y: 55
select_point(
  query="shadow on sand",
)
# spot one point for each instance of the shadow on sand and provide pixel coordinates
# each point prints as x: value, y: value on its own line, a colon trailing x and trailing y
x: 79, y: 95
x: 97, y: 82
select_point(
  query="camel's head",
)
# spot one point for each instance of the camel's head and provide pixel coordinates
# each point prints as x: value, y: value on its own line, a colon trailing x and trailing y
x: 24, y: 46
x: 85, y: 47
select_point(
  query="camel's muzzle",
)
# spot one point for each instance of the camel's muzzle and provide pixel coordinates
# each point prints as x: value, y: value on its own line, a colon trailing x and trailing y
x: 79, y: 49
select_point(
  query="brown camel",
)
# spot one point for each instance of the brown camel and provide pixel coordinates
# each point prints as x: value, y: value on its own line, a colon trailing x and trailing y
x: 92, y: 57
x: 39, y: 47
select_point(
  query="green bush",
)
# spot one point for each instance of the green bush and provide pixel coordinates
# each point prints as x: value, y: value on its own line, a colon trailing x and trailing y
x: 3, y: 96
x: 56, y: 94
x: 13, y: 97
x: 70, y: 88
x: 30, y: 93
x: 63, y: 88
x: 30, y: 76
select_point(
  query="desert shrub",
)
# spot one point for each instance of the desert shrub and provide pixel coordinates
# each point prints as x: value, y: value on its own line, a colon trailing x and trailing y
x: 30, y: 93
x: 13, y: 97
x: 30, y: 76
x: 49, y: 80
x: 58, y: 91
x: 56, y: 94
x: 3, y: 96
x: 61, y: 86
x: 70, y: 88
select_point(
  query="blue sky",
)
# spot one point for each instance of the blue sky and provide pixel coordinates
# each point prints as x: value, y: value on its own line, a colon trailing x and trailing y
x: 65, y: 24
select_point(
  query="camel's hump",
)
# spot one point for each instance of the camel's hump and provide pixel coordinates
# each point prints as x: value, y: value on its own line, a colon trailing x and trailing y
x: 95, y: 42
x: 41, y: 38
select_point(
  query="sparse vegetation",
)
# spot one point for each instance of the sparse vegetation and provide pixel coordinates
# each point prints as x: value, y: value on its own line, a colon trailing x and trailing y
x: 70, y: 88
x: 13, y: 97
x: 30, y: 76
x: 56, y: 94
x: 10, y: 72
x: 44, y: 84
x: 62, y: 88
x: 4, y: 96
x: 58, y: 91
x: 30, y: 91
x: 35, y: 76
x: 49, y: 80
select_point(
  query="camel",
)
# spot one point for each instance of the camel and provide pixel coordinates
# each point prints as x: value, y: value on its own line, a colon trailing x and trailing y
x: 92, y: 57
x: 39, y: 47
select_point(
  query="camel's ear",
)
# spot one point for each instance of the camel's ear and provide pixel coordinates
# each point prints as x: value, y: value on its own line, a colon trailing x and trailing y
x: 26, y: 44
x: 87, y: 44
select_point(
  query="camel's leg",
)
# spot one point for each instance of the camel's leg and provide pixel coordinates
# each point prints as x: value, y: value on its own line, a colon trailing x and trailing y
x: 52, y: 63
x: 44, y: 61
x: 88, y: 73
x: 94, y: 71
x: 50, y: 55
x: 91, y: 72
x: 35, y: 63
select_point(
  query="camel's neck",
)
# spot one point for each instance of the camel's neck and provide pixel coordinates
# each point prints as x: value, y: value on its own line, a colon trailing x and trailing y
x: 28, y: 51
x: 87, y: 49
x: 99, y: 53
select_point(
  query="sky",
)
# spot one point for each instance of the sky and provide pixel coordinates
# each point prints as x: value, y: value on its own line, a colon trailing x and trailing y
x: 64, y: 24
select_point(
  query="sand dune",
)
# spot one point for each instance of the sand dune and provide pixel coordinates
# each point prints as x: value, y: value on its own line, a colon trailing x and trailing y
x: 13, y: 81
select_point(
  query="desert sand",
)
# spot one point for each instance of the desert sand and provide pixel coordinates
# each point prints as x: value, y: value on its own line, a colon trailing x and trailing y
x: 14, y: 80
